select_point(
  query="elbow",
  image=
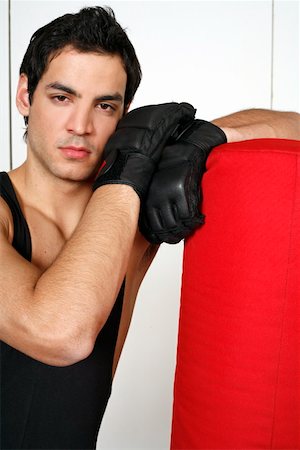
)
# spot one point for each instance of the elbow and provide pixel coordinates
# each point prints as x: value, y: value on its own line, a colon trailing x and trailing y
x: 61, y: 342
x: 64, y: 350
x: 69, y: 353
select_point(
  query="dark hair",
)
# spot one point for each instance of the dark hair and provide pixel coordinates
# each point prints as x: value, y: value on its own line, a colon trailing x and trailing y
x: 92, y: 29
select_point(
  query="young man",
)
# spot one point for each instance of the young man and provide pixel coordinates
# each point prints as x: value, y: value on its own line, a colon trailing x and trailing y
x: 72, y: 258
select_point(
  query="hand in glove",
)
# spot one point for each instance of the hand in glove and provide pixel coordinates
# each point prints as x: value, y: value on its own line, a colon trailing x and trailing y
x: 170, y: 211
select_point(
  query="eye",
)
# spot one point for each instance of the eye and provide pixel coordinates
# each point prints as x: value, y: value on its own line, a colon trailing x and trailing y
x: 60, y: 98
x: 106, y: 107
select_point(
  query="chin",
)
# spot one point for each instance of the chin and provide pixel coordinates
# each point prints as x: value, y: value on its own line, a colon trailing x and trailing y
x: 75, y: 174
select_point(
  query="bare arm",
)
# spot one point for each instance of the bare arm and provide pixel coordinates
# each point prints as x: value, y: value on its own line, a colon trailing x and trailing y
x: 260, y: 123
x: 55, y: 316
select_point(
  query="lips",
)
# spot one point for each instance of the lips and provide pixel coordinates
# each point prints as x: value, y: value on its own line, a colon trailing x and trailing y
x: 72, y: 152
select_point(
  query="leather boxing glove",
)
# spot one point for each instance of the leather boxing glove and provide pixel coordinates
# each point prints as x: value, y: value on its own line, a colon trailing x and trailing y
x: 170, y: 211
x: 132, y: 152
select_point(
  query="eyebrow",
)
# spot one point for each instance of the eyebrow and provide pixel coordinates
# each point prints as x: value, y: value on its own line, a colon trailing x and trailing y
x: 61, y: 87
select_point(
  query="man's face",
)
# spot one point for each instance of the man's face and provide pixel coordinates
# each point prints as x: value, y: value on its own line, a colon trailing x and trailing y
x: 75, y: 109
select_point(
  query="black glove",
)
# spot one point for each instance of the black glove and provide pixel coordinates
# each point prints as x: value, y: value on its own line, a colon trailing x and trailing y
x: 170, y: 211
x: 132, y: 152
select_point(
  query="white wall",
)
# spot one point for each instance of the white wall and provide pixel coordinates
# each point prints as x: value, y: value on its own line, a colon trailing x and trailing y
x: 4, y: 86
x: 286, y: 85
x: 217, y: 55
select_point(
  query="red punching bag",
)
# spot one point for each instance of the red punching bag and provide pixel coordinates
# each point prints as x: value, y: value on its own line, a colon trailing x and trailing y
x: 237, y: 381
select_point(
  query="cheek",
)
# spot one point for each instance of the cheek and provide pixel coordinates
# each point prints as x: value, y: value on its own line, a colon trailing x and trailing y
x: 44, y: 119
x: 42, y: 133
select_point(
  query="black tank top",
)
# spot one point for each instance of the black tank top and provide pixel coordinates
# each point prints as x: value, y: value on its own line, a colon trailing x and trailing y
x: 48, y: 407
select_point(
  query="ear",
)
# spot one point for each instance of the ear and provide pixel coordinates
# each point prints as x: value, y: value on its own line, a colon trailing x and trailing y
x: 22, y: 97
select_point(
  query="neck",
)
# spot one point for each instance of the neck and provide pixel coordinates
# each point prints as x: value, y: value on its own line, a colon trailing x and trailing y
x: 61, y: 201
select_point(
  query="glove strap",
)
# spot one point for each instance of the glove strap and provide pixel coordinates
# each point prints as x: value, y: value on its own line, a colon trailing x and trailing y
x: 133, y: 169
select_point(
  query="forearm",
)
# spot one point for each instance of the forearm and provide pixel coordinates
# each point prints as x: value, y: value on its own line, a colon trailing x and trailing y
x: 73, y: 298
x: 260, y: 123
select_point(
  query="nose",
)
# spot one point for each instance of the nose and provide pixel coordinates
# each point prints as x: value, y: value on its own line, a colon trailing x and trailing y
x: 80, y: 121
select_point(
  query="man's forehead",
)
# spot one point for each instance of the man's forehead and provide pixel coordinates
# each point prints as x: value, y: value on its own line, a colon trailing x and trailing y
x: 68, y: 54
x: 79, y: 71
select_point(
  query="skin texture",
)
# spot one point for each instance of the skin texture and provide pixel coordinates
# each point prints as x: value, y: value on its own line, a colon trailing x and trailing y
x: 260, y: 123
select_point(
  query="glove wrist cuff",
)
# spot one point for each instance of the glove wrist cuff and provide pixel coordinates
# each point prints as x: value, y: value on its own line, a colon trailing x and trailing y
x: 133, y: 169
